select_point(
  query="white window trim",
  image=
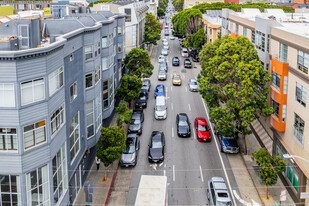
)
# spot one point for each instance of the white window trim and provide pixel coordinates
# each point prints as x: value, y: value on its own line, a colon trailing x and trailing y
x: 35, y: 145
x: 61, y: 125
x: 91, y: 81
x: 10, y: 150
x: 74, y: 96
x: 57, y: 75
x: 97, y: 72
x: 13, y: 89
x: 89, y: 46
x: 72, y: 160
x: 22, y: 104
x: 93, y: 121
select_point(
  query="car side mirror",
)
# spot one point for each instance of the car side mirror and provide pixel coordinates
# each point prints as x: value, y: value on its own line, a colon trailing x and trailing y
x: 148, y: 145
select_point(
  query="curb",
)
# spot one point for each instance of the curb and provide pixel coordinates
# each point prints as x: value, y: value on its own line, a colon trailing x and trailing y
x: 110, y: 187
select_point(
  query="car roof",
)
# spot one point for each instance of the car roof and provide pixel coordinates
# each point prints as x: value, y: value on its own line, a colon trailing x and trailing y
x: 156, y: 135
x: 181, y: 115
x: 131, y: 140
x: 187, y: 59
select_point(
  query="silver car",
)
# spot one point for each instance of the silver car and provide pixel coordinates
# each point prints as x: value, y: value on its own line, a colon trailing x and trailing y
x: 162, y: 75
x: 164, y: 52
x: 218, y: 193
x: 129, y: 155
x: 193, y: 85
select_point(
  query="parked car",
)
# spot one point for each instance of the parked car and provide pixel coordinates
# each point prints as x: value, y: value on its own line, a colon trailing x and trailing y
x: 166, y: 47
x: 166, y: 33
x: 193, y: 85
x: 163, y: 66
x: 165, y: 43
x: 187, y: 63
x: 183, y: 125
x: 184, y: 52
x: 160, y: 108
x: 218, y: 193
x: 130, y: 152
x: 164, y: 39
x: 146, y: 84
x: 141, y: 101
x: 136, y: 121
x: 202, y: 129
x: 172, y: 37
x: 162, y: 75
x: 228, y: 143
x: 156, y: 147
x: 164, y: 52
x: 161, y: 58
x: 176, y: 79
x: 195, y: 55
x: 175, y: 61
x: 160, y: 90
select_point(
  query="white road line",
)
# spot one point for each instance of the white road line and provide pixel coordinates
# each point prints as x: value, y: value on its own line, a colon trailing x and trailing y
x: 194, y: 134
x: 186, y: 89
x: 164, y: 173
x: 189, y: 107
x: 172, y: 132
x: 174, y: 173
x: 166, y: 91
x: 171, y: 88
x: 172, y: 106
x: 201, y: 173
x: 223, y: 166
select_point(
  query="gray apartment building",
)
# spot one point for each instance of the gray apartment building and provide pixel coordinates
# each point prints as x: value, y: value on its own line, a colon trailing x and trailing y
x: 58, y: 78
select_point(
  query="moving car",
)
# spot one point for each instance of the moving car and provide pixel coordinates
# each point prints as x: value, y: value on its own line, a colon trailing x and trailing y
x: 183, y: 125
x: 146, y: 84
x: 162, y: 75
x: 175, y: 61
x: 172, y: 37
x: 218, y: 193
x: 129, y: 155
x: 202, y: 129
x: 141, y: 101
x: 176, y: 79
x: 165, y: 43
x: 187, y: 63
x: 166, y: 47
x: 163, y: 66
x: 160, y: 108
x: 193, y: 85
x: 184, y: 52
x: 156, y: 147
x: 160, y: 90
x: 166, y: 33
x: 161, y: 58
x: 228, y: 143
x: 164, y: 52
x: 136, y: 122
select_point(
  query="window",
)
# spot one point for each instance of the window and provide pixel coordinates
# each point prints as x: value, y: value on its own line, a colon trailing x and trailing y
x: 97, y: 76
x: 275, y: 105
x: 276, y: 81
x: 105, y: 94
x: 237, y: 29
x: 105, y: 8
x: 104, y: 63
x: 73, y: 91
x: 285, y: 84
x: 74, y: 136
x: 119, y: 47
x: 128, y: 14
x: 260, y: 40
x: 23, y: 36
x: 231, y: 25
x: 245, y: 31
x: 299, y: 125
x: 71, y: 57
x: 111, y: 90
x: 89, y: 118
x: 32, y: 91
x: 97, y: 49
x: 55, y: 80
x: 111, y: 60
x: 37, y: 187
x: 268, y: 42
x: 8, y: 139
x: 98, y: 111
x: 104, y: 41
x: 7, y: 95
x: 60, y: 178
x: 120, y: 30
x: 88, y: 52
x: 301, y: 94
x: 114, y: 32
x: 283, y: 112
x: 75, y: 184
x: 253, y: 36
x: 88, y: 79
x: 283, y: 55
x: 34, y: 134
x: 302, y: 60
x: 57, y: 120
x: 210, y: 31
x: 10, y: 194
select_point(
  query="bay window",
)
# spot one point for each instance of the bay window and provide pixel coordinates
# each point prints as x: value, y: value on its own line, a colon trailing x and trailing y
x: 8, y: 139
x: 98, y: 111
x: 88, y: 52
x: 55, y: 80
x: 74, y: 137
x: 34, y: 134
x: 97, y: 76
x: 89, y: 119
x: 10, y: 192
x: 57, y: 120
x: 276, y: 80
x: 32, y: 91
x: 88, y: 80
x: 7, y: 95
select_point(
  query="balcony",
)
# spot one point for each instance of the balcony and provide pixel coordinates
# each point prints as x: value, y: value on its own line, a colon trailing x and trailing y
x: 234, y: 35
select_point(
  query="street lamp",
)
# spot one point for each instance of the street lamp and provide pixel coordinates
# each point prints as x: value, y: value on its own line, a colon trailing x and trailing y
x: 288, y: 156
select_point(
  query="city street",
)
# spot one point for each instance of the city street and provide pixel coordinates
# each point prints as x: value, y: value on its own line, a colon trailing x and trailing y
x: 188, y: 164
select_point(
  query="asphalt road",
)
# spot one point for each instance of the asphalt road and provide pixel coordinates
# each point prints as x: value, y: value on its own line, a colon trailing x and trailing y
x: 188, y: 164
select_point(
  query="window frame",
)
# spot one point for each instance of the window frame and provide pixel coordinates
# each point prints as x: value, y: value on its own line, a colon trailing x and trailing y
x: 302, y: 59
x: 276, y: 107
x: 90, y: 53
x: 32, y: 88
x: 61, y: 110
x: 77, y: 140
x: 12, y: 139
x: 274, y: 82
x: 299, y: 129
x: 87, y: 75
x: 74, y: 95
x: 5, y: 88
x: 300, y: 89
x: 92, y: 114
x: 56, y: 74
x: 97, y: 75
x: 34, y: 130
x: 14, y: 189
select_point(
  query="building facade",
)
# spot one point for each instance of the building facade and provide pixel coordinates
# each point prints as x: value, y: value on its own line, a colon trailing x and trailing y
x: 27, y: 5
x: 57, y: 83
x: 212, y: 22
x: 282, y: 43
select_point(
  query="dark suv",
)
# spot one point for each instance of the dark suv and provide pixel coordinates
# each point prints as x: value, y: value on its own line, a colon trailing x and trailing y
x: 175, y: 61
x: 141, y: 101
x: 187, y: 63
x: 136, y: 121
x: 129, y: 155
x: 228, y: 143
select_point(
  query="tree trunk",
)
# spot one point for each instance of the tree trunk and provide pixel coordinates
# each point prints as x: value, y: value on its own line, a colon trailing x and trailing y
x: 245, y: 144
x: 266, y: 191
x: 105, y: 174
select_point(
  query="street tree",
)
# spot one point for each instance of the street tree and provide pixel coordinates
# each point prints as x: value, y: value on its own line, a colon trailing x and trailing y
x: 187, y: 22
x: 124, y: 113
x: 110, y: 145
x: 152, y: 29
x: 129, y: 88
x: 178, y: 4
x: 163, y: 4
x: 269, y: 167
x: 234, y: 85
x: 160, y: 12
x: 197, y: 40
x: 138, y: 63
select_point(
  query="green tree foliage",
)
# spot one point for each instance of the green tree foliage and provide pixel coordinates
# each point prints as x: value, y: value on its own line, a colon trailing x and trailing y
x: 129, y: 88
x: 237, y: 7
x: 137, y: 61
x: 163, y: 4
x: 110, y: 145
x: 188, y: 21
x: 152, y: 29
x: 269, y: 167
x: 197, y: 40
x: 98, y: 2
x: 160, y: 12
x: 178, y: 4
x: 233, y: 84
x: 125, y: 114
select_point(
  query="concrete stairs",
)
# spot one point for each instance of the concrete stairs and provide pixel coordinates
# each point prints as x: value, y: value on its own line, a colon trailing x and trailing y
x: 262, y: 135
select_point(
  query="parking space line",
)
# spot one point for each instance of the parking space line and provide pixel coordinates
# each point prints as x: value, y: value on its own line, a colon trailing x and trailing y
x: 186, y: 89
x: 201, y: 174
x: 189, y: 107
x: 172, y: 132
x: 174, y: 173
x: 164, y: 173
x: 172, y: 106
x: 194, y: 134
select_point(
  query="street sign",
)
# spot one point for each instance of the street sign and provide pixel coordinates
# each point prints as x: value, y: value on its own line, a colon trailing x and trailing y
x: 304, y: 195
x: 283, y: 195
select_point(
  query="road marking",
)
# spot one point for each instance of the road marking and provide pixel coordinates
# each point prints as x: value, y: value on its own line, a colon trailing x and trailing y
x: 174, y: 173
x: 243, y: 201
x: 172, y: 132
x: 164, y: 173
x: 172, y: 106
x: 189, y: 107
x: 154, y: 166
x: 186, y: 89
x: 194, y: 134
x: 223, y: 166
x: 160, y: 164
x: 171, y: 88
x: 201, y: 173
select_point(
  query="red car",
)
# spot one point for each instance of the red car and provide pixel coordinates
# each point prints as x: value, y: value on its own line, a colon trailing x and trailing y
x: 202, y: 129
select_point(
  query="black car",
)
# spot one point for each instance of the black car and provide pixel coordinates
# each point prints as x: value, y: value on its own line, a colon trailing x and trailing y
x: 187, y: 63
x: 156, y: 147
x: 141, y: 101
x: 183, y: 125
x: 136, y: 122
x: 163, y: 66
x: 175, y: 61
x: 146, y: 84
x: 129, y: 155
x: 195, y: 58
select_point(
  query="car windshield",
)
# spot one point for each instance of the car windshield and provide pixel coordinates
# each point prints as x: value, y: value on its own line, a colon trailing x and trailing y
x: 187, y: 62
x: 221, y: 203
x: 184, y: 51
x: 193, y: 83
x: 161, y: 72
x: 202, y: 128
x: 230, y: 137
x: 176, y: 60
x: 156, y: 144
x: 142, y: 97
x: 135, y: 121
x: 160, y: 89
x: 183, y: 123
x: 160, y: 108
x: 145, y: 83
x: 176, y: 77
x: 129, y: 149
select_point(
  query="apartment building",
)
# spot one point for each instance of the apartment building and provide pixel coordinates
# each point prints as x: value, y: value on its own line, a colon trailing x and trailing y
x: 282, y: 43
x: 27, y: 5
x: 135, y: 19
x: 57, y: 83
x: 212, y: 22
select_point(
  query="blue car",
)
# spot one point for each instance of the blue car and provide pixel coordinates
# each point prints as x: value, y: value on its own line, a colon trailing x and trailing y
x: 160, y: 90
x: 228, y: 144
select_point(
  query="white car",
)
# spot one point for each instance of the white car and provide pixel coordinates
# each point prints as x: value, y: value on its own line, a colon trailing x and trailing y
x: 161, y: 58
x: 164, y: 52
x: 165, y: 43
x: 165, y: 47
x: 164, y: 39
x: 172, y: 37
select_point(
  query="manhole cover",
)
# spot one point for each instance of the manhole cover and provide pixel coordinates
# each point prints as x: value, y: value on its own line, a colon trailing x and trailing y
x: 183, y: 71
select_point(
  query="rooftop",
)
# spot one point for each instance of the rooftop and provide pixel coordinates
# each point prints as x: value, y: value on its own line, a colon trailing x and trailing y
x: 213, y: 17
